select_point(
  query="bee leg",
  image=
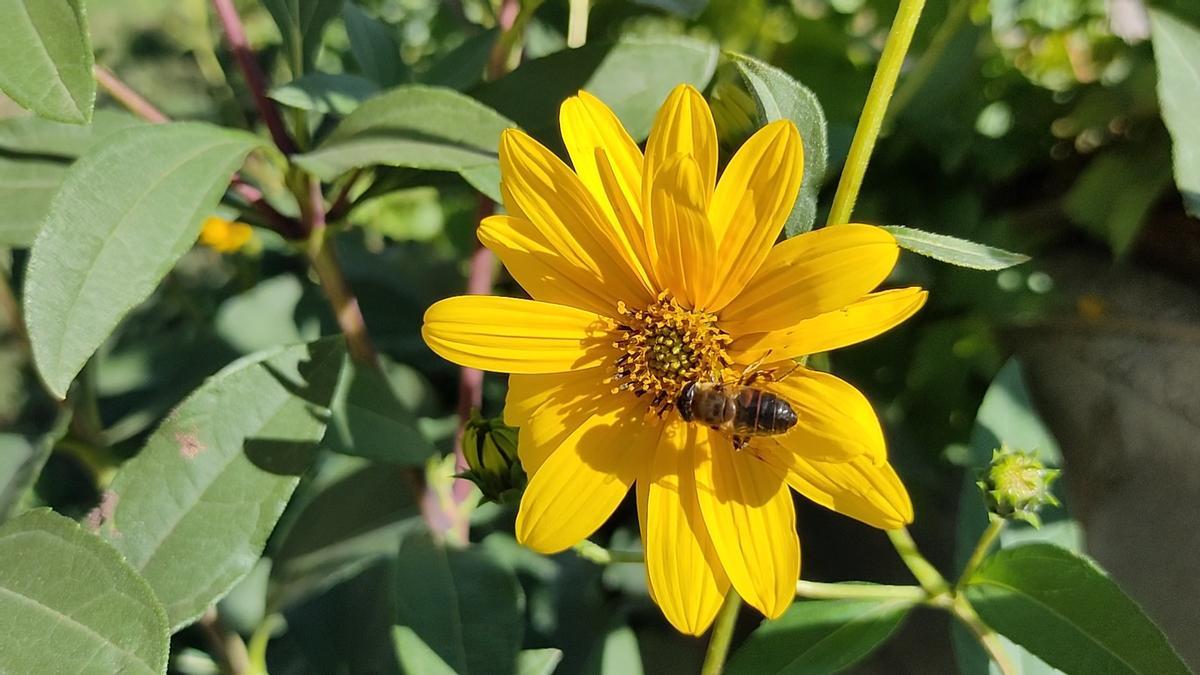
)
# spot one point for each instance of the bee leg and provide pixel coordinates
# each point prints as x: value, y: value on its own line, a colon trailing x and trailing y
x: 740, y: 442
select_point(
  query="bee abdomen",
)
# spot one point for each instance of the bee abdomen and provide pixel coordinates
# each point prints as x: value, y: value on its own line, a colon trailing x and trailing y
x: 762, y: 413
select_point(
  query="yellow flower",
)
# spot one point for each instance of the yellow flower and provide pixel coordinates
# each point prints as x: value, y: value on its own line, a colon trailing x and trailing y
x: 647, y: 273
x: 225, y: 236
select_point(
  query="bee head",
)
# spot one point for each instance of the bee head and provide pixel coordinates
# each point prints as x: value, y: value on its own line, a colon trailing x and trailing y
x: 684, y: 401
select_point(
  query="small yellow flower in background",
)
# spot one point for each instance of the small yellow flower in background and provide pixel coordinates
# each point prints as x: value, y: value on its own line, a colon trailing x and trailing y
x: 225, y: 236
x: 648, y: 273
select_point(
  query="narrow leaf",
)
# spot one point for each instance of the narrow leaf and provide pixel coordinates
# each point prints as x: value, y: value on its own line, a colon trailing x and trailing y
x: 955, y: 251
x: 415, y: 657
x: 301, y: 25
x: 1068, y: 613
x: 26, y: 188
x: 779, y: 96
x: 193, y: 509
x: 817, y: 637
x: 538, y: 661
x: 21, y: 460
x: 325, y: 93
x: 463, y: 67
x: 411, y: 126
x: 47, y: 57
x: 374, y: 46
x: 70, y: 604
x: 1177, y: 53
x: 127, y: 210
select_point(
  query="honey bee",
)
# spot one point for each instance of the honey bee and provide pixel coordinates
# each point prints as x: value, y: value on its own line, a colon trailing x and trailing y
x: 737, y: 409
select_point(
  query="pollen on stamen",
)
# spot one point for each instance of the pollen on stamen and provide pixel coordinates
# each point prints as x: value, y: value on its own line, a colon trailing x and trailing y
x: 663, y: 347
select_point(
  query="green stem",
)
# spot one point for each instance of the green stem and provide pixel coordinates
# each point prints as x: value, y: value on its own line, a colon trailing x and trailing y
x: 981, y: 550
x: 256, y: 649
x: 926, y: 574
x: 875, y: 109
x: 819, y: 591
x: 722, y: 635
x: 988, y: 639
x: 593, y: 552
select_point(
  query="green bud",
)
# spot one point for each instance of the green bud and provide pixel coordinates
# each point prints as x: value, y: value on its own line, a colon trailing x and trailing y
x: 1017, y: 485
x: 490, y: 448
x: 734, y: 112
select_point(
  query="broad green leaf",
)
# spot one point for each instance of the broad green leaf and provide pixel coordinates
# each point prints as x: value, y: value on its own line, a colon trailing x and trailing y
x: 411, y: 126
x: 37, y: 136
x: 464, y: 66
x: 633, y: 76
x: 349, y: 524
x: 326, y: 93
x: 301, y: 25
x: 47, y: 57
x: 193, y: 509
x: 538, y: 661
x: 485, y: 178
x: 1114, y: 195
x: 26, y: 188
x: 1067, y: 612
x: 370, y: 421
x: 820, y: 636
x: 953, y: 250
x: 1177, y: 53
x: 265, y: 316
x: 374, y: 46
x: 779, y: 96
x: 70, y: 604
x: 21, y: 460
x: 126, y: 211
x: 462, y: 604
x: 415, y: 657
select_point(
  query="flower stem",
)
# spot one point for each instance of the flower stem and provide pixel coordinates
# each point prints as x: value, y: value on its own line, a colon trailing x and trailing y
x: 593, y: 552
x: 819, y: 591
x: 235, y: 33
x: 349, y: 316
x: 875, y: 109
x: 128, y: 98
x: 926, y: 574
x: 981, y: 550
x: 988, y: 639
x: 722, y: 635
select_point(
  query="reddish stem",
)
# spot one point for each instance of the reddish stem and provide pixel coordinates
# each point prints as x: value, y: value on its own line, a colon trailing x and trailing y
x: 235, y: 33
x: 127, y: 97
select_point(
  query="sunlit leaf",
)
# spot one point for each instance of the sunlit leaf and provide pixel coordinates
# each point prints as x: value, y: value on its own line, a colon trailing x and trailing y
x: 955, y: 251
x: 126, y: 212
x: 21, y: 460
x: 370, y: 421
x: 415, y: 657
x: 538, y: 661
x: 32, y: 135
x: 463, y: 67
x: 779, y: 96
x: 26, y: 188
x: 193, y: 509
x: 326, y: 93
x: 818, y: 637
x: 1177, y: 52
x: 70, y: 604
x: 47, y: 57
x: 1067, y: 612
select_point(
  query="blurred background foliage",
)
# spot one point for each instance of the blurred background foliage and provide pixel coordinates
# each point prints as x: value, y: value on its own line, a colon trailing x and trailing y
x: 1032, y: 125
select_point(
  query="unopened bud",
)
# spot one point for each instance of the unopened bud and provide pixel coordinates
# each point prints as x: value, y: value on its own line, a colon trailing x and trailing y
x: 490, y: 448
x: 1017, y: 485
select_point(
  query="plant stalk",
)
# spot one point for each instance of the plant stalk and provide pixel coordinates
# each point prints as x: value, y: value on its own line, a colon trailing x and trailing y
x: 593, y: 552
x: 926, y: 574
x: 722, y: 635
x: 988, y: 638
x: 884, y: 83
x: 820, y: 591
x: 128, y: 98
x: 226, y: 645
x: 995, y: 526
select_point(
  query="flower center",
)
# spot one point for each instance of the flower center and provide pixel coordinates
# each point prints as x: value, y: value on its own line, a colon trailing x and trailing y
x: 665, y: 346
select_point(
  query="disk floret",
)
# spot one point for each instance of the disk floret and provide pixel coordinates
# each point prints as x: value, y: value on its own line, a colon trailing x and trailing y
x: 665, y: 346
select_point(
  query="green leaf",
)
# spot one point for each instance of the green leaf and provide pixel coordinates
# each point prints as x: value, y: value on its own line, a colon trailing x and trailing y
x: 1114, y: 195
x: 37, y: 136
x: 462, y: 604
x: 415, y: 657
x: 70, y: 604
x: 193, y: 509
x: 21, y: 460
x: 538, y: 661
x: 953, y: 250
x: 47, y: 57
x: 411, y: 126
x: 463, y: 67
x: 352, y: 522
x: 265, y: 316
x: 633, y: 76
x: 301, y: 25
x: 326, y: 93
x: 821, y: 636
x: 127, y: 210
x: 779, y: 96
x: 1068, y: 613
x: 1177, y: 52
x: 370, y: 421
x: 374, y: 46
x: 26, y: 188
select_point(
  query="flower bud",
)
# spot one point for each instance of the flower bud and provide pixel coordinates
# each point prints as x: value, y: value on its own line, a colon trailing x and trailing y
x: 490, y: 448
x: 1017, y: 485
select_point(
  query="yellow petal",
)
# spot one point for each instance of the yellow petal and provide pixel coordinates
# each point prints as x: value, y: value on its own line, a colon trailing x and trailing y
x: 681, y: 563
x: 868, y: 492
x: 537, y: 186
x: 580, y: 484
x: 546, y: 272
x: 835, y: 421
x: 748, y: 510
x: 587, y: 125
x: 861, y: 320
x: 509, y: 335
x: 684, y: 126
x: 682, y: 247
x: 753, y: 199
x: 627, y: 210
x: 810, y: 274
